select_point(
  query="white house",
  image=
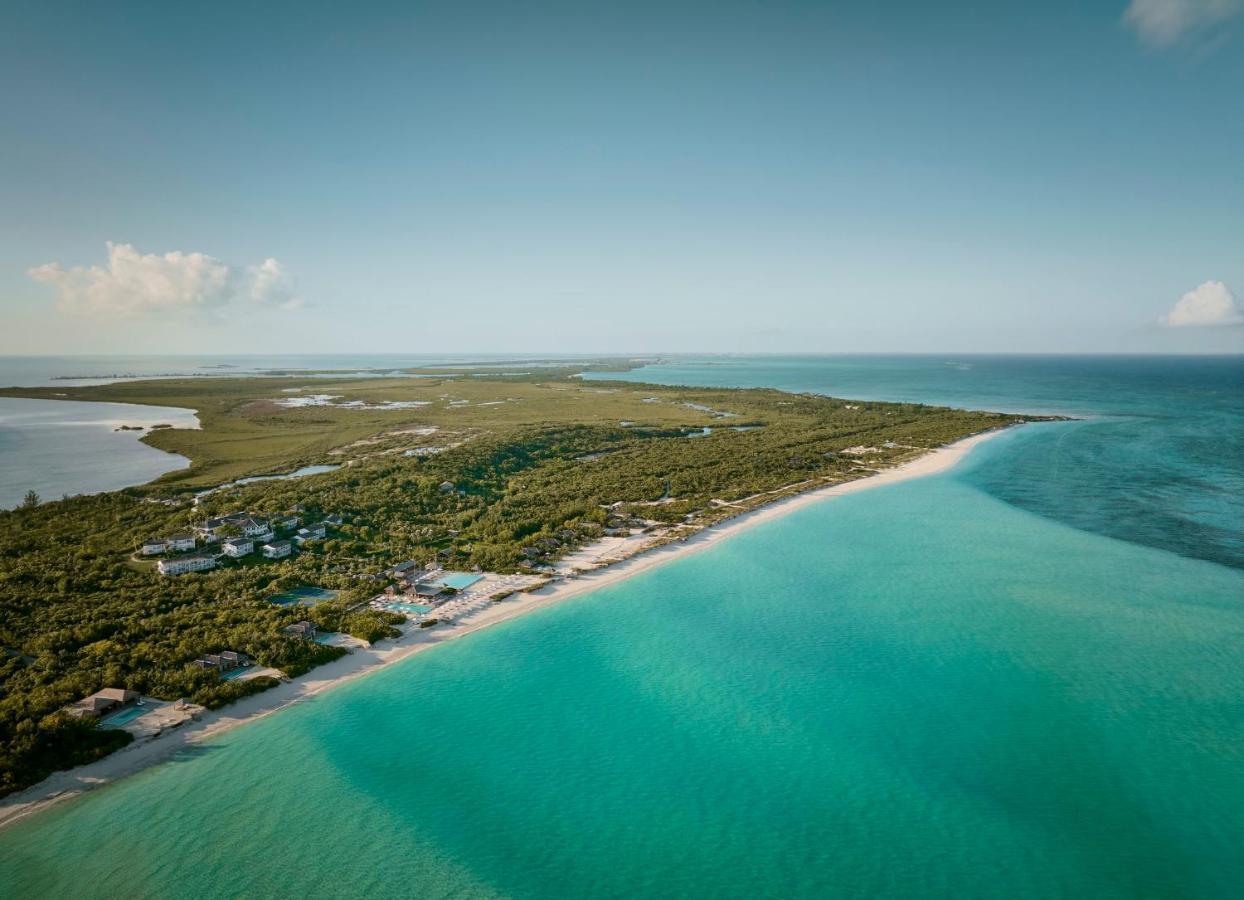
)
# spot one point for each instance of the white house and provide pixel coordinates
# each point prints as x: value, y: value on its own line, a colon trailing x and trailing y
x: 180, y: 542
x: 286, y: 521
x: 256, y: 528
x: 277, y: 550
x: 152, y: 548
x: 182, y: 564
x: 211, y: 528
x: 238, y: 547
x: 315, y: 532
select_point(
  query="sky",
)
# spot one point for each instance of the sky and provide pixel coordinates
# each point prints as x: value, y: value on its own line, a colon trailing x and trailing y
x: 626, y: 177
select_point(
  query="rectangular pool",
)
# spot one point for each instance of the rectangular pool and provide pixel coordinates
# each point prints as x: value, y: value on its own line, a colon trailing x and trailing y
x: 124, y: 716
x: 459, y: 581
x: 407, y: 607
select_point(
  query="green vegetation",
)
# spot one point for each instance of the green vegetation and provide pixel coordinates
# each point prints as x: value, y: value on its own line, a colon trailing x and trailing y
x: 496, y: 470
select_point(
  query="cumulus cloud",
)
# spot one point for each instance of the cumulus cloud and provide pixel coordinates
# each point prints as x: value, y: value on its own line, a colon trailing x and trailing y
x: 133, y: 283
x: 1164, y: 22
x: 1210, y: 304
x: 271, y: 284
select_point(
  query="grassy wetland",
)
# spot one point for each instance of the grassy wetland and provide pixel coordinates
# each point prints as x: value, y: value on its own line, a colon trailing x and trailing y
x: 492, y: 469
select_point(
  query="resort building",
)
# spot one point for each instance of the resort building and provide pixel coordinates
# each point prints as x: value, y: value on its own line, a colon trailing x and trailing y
x: 277, y: 549
x: 238, y: 547
x: 256, y: 528
x: 225, y: 661
x: 304, y: 630
x: 101, y: 702
x: 176, y: 543
x: 334, y: 519
x: 311, y: 533
x: 183, y: 564
x: 404, y: 570
x: 248, y: 525
x: 212, y: 529
x: 181, y: 542
x: 286, y: 522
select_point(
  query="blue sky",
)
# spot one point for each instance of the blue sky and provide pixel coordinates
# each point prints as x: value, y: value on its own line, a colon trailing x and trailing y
x: 626, y: 177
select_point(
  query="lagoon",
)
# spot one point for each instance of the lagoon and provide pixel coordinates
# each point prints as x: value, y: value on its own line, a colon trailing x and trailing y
x: 56, y: 447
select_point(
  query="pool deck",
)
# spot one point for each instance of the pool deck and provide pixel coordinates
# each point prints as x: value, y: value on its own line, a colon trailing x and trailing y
x: 157, y: 717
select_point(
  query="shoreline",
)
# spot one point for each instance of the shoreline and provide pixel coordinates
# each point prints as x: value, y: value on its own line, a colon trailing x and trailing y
x: 137, y: 756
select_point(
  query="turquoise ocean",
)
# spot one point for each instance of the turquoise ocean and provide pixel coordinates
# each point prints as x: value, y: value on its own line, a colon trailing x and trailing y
x: 1020, y: 678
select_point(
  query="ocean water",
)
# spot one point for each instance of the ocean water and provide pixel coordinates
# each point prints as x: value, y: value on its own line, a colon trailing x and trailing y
x: 940, y: 688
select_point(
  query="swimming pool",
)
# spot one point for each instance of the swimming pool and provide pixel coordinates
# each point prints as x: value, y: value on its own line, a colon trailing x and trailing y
x: 124, y: 716
x: 459, y: 581
x: 407, y: 607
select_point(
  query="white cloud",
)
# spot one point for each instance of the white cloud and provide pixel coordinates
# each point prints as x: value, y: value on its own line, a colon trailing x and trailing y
x: 1210, y: 304
x: 134, y: 283
x: 272, y: 285
x: 1165, y: 22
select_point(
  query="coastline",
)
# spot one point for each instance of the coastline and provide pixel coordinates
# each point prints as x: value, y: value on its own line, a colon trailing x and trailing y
x: 137, y: 756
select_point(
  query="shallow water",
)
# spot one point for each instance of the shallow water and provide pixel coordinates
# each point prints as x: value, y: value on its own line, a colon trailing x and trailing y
x: 927, y: 689
x: 57, y: 447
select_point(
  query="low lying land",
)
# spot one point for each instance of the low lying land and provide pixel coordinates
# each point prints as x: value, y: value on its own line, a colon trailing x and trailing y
x: 505, y: 472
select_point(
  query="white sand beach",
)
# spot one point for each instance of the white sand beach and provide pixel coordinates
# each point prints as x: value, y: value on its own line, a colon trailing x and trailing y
x: 362, y: 661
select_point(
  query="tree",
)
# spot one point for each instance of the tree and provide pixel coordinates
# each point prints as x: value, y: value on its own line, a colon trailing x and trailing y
x: 31, y: 500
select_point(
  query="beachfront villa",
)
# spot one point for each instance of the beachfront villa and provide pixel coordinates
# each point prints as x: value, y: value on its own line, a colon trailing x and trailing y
x: 277, y: 549
x: 101, y: 702
x: 238, y: 547
x: 304, y: 630
x: 225, y: 661
x: 183, y: 564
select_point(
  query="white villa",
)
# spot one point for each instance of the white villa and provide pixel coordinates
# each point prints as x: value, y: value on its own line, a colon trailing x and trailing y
x: 183, y: 564
x: 256, y: 528
x: 238, y: 547
x: 249, y: 525
x: 315, y: 532
x: 277, y: 550
x: 175, y: 543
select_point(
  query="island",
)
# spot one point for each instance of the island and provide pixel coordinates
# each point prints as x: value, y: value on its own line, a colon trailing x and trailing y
x: 326, y: 513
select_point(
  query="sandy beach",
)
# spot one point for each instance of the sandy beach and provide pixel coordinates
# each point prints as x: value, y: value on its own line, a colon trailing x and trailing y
x: 141, y: 754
